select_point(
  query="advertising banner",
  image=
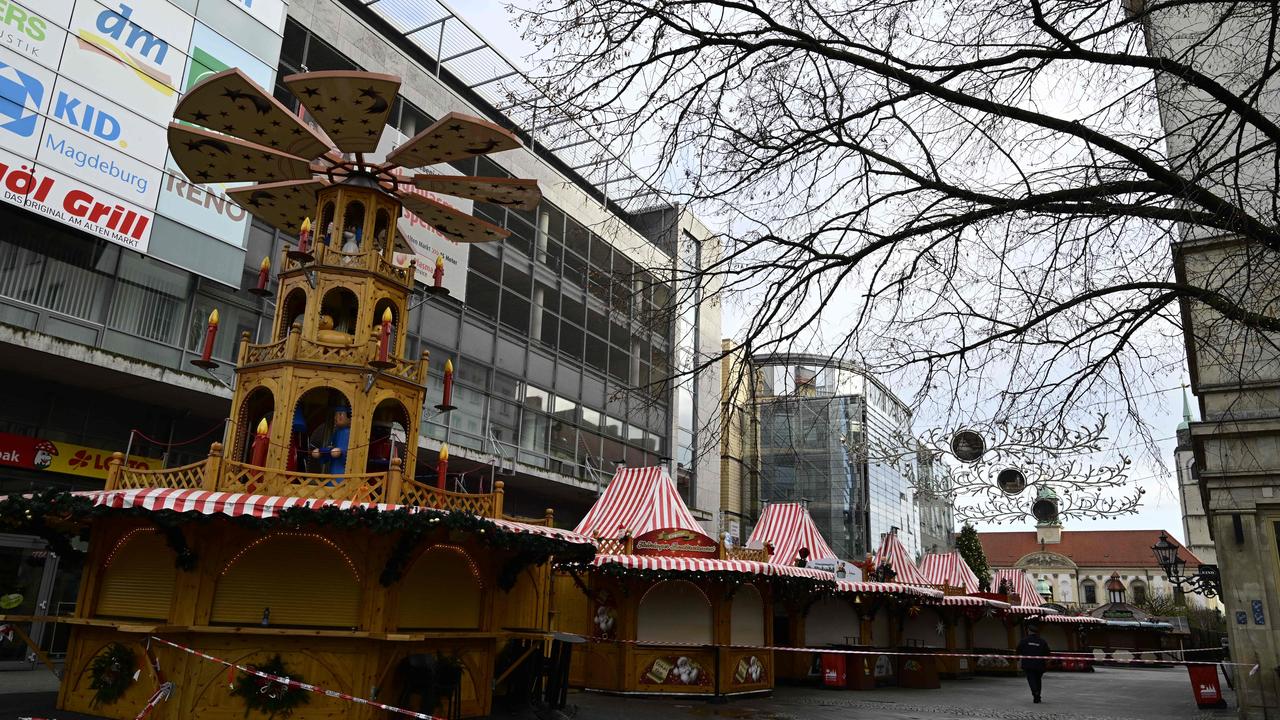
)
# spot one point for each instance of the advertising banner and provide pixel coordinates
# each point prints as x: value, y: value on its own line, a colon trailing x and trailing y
x: 676, y: 543
x: 87, y: 88
x: 206, y: 208
x: 427, y: 243
x: 32, y: 453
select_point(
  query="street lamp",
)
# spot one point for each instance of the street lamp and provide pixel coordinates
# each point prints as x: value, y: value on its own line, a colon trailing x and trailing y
x: 1206, y: 581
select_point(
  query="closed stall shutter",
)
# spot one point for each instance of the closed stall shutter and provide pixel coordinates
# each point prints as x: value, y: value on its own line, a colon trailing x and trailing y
x: 303, y: 580
x: 139, y: 577
x: 441, y: 591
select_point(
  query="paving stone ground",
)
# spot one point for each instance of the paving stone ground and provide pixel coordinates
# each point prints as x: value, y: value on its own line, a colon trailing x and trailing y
x: 1108, y: 694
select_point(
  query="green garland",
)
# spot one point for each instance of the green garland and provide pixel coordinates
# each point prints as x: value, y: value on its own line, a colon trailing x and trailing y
x: 111, y: 673
x: 268, y: 696
x: 28, y: 515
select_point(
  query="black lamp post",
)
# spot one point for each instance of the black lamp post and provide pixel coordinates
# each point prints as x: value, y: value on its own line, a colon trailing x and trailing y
x: 1206, y: 581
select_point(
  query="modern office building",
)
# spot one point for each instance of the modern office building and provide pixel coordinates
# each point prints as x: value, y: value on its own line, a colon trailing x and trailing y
x: 563, y: 336
x: 937, y: 506
x: 836, y: 437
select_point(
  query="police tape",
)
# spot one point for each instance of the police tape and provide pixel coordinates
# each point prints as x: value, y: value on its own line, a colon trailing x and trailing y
x: 928, y: 652
x: 292, y: 683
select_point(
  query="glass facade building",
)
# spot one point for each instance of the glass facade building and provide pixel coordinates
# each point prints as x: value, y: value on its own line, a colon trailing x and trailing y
x: 834, y: 437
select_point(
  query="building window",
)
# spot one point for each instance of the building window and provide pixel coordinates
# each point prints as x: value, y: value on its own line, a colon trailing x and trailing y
x: 1090, y: 592
x: 1139, y: 592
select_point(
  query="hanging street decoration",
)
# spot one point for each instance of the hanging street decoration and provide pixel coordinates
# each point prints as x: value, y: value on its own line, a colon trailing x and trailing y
x: 1011, y: 481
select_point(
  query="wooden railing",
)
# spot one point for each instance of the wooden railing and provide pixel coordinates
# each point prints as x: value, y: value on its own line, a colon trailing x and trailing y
x: 743, y: 553
x: 371, y: 261
x: 547, y: 520
x: 215, y: 473
x: 297, y: 348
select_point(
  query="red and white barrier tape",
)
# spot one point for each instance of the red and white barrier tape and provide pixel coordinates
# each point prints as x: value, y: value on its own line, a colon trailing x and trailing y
x: 900, y: 653
x: 6, y: 632
x: 162, y: 693
x: 294, y: 683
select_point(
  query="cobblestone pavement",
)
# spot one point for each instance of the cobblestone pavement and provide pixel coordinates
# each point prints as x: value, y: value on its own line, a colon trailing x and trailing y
x: 1108, y: 694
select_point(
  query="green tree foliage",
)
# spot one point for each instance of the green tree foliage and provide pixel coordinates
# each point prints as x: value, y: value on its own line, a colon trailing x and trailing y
x: 970, y: 548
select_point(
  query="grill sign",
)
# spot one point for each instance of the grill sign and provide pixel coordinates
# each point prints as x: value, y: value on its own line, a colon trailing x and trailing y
x: 676, y: 543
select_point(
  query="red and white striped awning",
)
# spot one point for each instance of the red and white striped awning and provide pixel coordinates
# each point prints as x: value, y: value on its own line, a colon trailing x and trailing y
x: 1019, y: 582
x: 970, y: 601
x: 788, y: 527
x: 205, y: 502
x: 1029, y: 610
x: 859, y: 586
x: 949, y: 569
x: 895, y: 556
x: 637, y: 501
x: 710, y: 565
x: 1074, y: 619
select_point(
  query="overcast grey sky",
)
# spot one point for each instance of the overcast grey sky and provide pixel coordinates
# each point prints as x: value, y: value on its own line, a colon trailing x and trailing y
x: 1161, y: 509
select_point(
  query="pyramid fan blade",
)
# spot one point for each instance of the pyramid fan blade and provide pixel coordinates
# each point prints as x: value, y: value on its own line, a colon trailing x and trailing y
x: 453, y: 224
x: 352, y: 107
x: 207, y: 157
x: 282, y: 204
x: 453, y: 137
x: 510, y: 192
x: 231, y: 103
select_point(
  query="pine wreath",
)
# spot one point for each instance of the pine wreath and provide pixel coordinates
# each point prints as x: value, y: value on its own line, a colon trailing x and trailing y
x: 111, y: 673
x: 270, y: 697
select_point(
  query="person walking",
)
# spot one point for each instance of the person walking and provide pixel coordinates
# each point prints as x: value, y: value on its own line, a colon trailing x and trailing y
x: 1034, y: 650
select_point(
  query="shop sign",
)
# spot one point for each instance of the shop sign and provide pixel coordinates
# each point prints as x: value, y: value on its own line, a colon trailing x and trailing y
x: 268, y: 12
x: 676, y: 543
x: 35, y: 35
x: 30, y: 453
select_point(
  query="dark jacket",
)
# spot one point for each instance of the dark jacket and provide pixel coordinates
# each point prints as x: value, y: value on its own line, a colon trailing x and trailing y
x: 1033, y: 645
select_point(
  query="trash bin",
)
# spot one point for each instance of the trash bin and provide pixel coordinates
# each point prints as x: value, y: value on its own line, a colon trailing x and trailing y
x: 833, y: 670
x: 1204, y: 684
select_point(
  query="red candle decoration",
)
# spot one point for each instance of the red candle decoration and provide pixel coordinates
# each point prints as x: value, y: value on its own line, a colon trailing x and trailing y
x: 264, y: 273
x: 442, y: 466
x: 446, y: 403
x: 304, y: 236
x: 303, y: 251
x: 261, y: 442
x: 210, y: 334
x: 437, y: 277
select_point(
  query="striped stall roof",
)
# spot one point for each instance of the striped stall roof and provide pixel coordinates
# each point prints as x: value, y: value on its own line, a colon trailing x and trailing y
x: 637, y: 501
x: 205, y: 502
x: 1019, y: 582
x: 788, y: 527
x: 967, y: 601
x: 1077, y: 619
x: 858, y: 586
x: 949, y: 569
x: 1030, y: 610
x: 895, y: 555
x: 707, y: 565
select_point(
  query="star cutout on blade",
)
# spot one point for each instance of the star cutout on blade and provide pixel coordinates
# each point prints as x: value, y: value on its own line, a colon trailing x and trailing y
x: 319, y: 108
x: 247, y: 156
x: 370, y: 92
x: 339, y: 121
x: 275, y: 123
x: 456, y: 128
x: 200, y: 116
x: 202, y: 175
x: 310, y: 91
x: 260, y: 132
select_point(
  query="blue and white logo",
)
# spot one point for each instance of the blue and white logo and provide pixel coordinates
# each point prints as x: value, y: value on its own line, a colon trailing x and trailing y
x: 20, y: 99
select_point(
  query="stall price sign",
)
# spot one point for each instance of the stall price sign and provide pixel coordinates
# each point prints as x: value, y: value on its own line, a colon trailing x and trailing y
x: 676, y: 543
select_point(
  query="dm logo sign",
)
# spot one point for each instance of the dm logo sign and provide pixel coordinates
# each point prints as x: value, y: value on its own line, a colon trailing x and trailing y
x: 21, y: 96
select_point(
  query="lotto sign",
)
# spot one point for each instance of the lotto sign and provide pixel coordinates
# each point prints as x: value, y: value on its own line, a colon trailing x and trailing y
x: 31, y: 453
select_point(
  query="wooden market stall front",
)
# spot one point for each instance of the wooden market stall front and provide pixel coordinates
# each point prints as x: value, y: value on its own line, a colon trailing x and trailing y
x: 308, y: 546
x: 666, y: 608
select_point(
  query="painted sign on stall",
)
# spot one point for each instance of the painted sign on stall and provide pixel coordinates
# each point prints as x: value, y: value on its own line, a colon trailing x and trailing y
x: 676, y: 543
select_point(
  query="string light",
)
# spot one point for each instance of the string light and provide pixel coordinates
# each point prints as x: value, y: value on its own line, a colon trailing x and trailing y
x: 309, y: 536
x: 475, y: 570
x: 111, y: 556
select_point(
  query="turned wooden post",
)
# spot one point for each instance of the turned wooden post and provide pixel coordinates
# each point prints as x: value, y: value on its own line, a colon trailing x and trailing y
x: 498, y: 492
x: 113, y: 470
x: 212, y: 468
x: 395, y: 478
x: 291, y: 342
x: 550, y: 515
x: 424, y: 366
x: 244, y: 348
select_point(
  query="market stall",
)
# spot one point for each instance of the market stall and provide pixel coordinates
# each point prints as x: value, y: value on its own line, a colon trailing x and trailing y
x: 310, y: 566
x: 1067, y: 634
x: 666, y: 608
